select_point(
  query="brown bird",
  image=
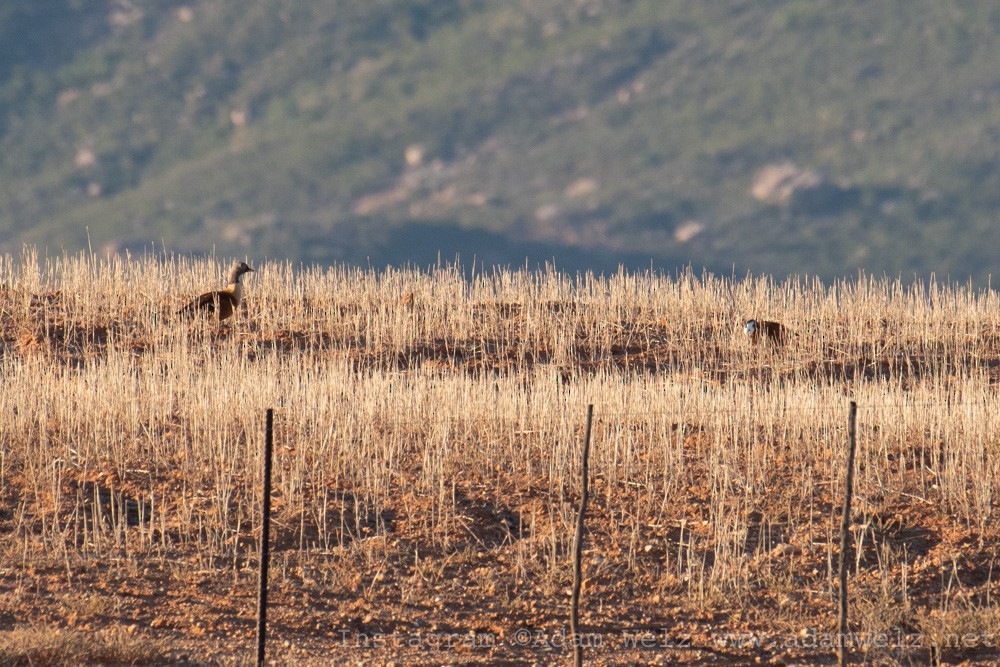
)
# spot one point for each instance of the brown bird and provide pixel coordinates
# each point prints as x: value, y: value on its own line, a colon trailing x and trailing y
x: 764, y: 331
x: 224, y: 301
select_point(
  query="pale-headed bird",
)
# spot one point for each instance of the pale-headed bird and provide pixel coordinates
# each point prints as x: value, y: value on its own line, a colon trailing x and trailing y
x: 764, y: 331
x: 225, y: 301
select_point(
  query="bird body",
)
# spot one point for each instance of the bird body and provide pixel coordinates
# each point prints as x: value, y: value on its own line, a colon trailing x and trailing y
x: 766, y: 331
x: 225, y: 301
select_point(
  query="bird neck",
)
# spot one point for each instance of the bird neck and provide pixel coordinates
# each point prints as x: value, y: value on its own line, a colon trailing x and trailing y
x: 236, y: 289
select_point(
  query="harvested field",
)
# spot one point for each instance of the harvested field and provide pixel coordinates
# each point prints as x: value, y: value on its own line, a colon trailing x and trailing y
x: 428, y: 431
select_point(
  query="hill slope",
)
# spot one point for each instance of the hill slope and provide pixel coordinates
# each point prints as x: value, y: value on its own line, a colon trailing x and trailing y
x: 776, y: 136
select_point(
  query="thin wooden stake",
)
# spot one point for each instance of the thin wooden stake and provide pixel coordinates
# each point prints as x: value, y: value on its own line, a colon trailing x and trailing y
x: 574, y: 609
x: 845, y: 527
x: 265, y: 539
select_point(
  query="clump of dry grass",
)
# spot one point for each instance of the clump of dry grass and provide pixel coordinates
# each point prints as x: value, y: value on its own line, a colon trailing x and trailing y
x: 454, y: 415
x: 40, y: 647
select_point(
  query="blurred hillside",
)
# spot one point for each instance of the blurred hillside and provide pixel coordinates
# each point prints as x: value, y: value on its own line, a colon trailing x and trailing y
x: 771, y: 136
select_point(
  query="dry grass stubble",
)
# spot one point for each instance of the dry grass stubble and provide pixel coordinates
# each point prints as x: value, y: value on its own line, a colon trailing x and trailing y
x: 426, y: 474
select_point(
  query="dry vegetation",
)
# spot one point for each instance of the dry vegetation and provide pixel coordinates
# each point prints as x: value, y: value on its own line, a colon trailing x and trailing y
x: 427, y: 464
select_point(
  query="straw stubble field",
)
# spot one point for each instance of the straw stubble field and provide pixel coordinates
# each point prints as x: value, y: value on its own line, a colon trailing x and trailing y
x: 428, y: 436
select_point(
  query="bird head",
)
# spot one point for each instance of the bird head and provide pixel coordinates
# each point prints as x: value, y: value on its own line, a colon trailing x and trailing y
x: 239, y: 268
x: 750, y: 328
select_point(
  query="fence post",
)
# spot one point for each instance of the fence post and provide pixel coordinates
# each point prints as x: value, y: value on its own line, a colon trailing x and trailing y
x: 574, y: 609
x: 845, y: 528
x: 265, y: 539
